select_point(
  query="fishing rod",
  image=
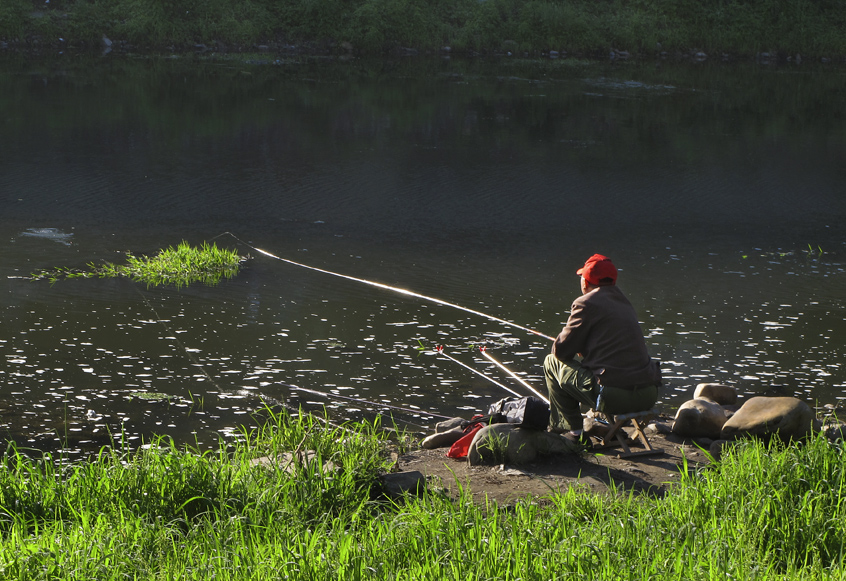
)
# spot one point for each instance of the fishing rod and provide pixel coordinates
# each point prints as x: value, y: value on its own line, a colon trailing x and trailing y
x: 490, y: 358
x: 440, y: 350
x: 373, y: 403
x: 395, y: 289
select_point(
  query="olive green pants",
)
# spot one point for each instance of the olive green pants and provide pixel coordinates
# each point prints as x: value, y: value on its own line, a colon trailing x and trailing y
x: 570, y: 385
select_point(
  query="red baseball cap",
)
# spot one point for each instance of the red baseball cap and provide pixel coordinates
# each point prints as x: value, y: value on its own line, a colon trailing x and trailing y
x: 599, y: 271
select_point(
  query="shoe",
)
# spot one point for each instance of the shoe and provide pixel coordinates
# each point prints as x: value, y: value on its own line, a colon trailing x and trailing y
x: 582, y: 439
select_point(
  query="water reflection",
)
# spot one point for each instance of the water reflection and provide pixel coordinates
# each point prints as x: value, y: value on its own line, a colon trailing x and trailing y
x: 717, y: 192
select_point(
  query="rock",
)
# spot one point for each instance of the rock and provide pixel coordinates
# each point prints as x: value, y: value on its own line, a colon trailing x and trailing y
x: 448, y: 425
x: 699, y: 418
x: 658, y: 427
x: 442, y: 439
x: 716, y: 448
x: 716, y: 392
x: 595, y: 427
x: 785, y: 417
x: 836, y: 432
x: 292, y: 461
x: 508, y: 444
x: 106, y: 42
x: 399, y: 484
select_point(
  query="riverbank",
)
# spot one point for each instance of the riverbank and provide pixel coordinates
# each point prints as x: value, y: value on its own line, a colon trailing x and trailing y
x: 302, y: 499
x: 765, y: 29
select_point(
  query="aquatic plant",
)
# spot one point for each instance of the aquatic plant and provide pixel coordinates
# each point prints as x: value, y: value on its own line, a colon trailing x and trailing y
x: 178, y: 266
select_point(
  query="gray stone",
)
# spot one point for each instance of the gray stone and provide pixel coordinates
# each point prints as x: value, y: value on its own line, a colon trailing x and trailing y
x: 699, y: 418
x: 508, y: 444
x: 836, y: 432
x: 658, y: 428
x: 442, y: 439
x: 399, y: 484
x: 785, y: 417
x: 716, y: 392
x: 594, y: 427
x: 448, y: 425
x: 716, y: 448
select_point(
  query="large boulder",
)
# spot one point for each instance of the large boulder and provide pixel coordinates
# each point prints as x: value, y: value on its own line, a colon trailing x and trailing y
x: 699, y: 418
x: 508, y: 444
x: 716, y: 392
x: 786, y: 417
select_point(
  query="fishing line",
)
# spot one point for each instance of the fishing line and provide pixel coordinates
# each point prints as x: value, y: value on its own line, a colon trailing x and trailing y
x: 373, y: 403
x: 440, y: 350
x: 490, y: 358
x: 395, y: 289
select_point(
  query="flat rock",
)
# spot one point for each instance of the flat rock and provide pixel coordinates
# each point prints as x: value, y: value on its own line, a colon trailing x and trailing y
x: 448, y: 425
x: 785, y: 417
x: 442, y: 439
x: 398, y: 484
x: 292, y: 461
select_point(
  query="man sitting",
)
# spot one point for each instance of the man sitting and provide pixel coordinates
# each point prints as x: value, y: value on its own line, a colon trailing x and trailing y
x: 600, y: 357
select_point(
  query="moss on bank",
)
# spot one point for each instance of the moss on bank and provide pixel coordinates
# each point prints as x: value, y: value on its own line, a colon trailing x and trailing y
x: 588, y: 27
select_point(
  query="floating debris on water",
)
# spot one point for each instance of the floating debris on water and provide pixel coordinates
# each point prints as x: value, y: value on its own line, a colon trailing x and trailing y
x: 53, y: 234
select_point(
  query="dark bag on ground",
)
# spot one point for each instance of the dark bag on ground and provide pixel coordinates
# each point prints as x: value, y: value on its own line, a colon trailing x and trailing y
x: 530, y: 412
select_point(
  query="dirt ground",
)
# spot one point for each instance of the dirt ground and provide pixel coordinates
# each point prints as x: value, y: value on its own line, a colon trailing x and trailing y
x: 595, y: 470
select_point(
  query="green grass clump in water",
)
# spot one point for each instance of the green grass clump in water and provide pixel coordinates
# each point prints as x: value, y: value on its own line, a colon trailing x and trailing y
x: 178, y: 266
x: 764, y: 512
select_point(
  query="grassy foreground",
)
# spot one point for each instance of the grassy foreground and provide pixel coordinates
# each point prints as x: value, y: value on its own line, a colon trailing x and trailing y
x: 165, y: 513
x: 744, y: 27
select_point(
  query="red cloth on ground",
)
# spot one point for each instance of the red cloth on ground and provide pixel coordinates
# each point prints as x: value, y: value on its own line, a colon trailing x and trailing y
x: 462, y: 446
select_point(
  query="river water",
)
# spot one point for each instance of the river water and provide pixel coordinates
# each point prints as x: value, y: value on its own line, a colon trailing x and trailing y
x: 718, y: 190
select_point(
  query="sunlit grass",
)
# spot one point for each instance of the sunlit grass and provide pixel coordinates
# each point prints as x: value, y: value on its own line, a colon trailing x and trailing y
x: 764, y: 512
x: 178, y: 266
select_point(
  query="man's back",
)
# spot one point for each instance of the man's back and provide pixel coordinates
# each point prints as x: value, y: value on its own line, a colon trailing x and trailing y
x: 604, y: 329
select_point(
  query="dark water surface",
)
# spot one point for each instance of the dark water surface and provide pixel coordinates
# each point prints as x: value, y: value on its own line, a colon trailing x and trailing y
x: 717, y: 190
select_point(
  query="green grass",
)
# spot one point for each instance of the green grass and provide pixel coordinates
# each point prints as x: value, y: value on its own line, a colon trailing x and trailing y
x: 178, y: 266
x: 764, y: 512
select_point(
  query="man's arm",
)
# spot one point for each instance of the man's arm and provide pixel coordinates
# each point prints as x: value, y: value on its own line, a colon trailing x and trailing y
x: 571, y: 340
